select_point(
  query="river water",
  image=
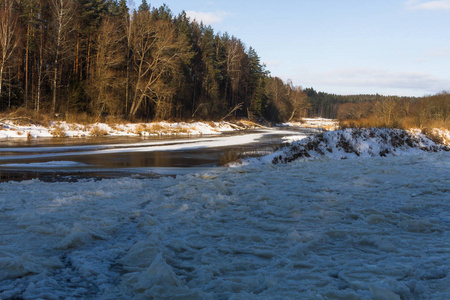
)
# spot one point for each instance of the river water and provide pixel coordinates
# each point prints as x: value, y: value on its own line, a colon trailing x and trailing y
x: 71, y: 159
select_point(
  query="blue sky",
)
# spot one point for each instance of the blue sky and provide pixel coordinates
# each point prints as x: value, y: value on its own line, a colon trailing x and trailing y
x: 391, y: 47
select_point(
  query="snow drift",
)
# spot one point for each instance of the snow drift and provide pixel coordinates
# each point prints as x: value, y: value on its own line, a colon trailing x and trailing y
x: 351, y: 143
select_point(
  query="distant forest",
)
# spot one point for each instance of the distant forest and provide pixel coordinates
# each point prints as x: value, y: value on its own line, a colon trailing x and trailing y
x: 96, y: 57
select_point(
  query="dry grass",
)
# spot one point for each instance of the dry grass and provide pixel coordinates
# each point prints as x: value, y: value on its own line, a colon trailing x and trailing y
x: 80, y: 118
x: 369, y: 123
x: 114, y: 120
x: 44, y: 118
x: 157, y: 128
x: 75, y: 127
x: 27, y: 117
x: 141, y: 129
x: 182, y: 130
x: 212, y: 124
x: 432, y: 135
x: 97, y: 132
x: 400, y: 123
x: 58, y: 131
x: 160, y: 129
x: 114, y: 126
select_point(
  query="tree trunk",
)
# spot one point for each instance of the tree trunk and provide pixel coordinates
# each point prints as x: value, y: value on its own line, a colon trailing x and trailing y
x: 88, y: 65
x: 26, y: 64
x: 2, y: 67
x: 58, y: 53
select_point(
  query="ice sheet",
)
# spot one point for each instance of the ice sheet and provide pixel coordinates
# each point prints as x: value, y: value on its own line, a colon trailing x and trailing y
x: 176, y: 145
x: 323, y: 229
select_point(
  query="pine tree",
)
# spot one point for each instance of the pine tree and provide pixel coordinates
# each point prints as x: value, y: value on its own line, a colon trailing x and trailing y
x: 256, y: 84
x: 144, y: 6
x: 123, y: 8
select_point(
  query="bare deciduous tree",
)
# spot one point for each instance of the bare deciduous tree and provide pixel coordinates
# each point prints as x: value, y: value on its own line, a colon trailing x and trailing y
x: 278, y: 92
x: 8, y: 42
x: 62, y: 11
x: 158, y: 53
x: 386, y: 109
x: 106, y: 75
x: 299, y: 102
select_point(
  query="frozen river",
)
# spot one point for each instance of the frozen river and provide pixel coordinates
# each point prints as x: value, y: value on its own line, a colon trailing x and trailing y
x: 368, y: 228
x: 356, y: 228
x: 73, y: 158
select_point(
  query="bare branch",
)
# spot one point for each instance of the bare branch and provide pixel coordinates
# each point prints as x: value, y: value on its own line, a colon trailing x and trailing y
x: 237, y: 107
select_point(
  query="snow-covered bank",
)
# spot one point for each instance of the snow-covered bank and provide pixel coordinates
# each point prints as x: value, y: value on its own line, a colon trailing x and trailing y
x: 63, y: 129
x: 351, y: 143
x: 375, y: 228
x: 10, y: 129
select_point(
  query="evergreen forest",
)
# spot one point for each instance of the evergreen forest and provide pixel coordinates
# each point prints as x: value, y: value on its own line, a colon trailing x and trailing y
x: 100, y: 59
x: 97, y: 57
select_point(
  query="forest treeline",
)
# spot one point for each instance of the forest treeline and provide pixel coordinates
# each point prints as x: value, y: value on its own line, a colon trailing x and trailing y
x: 98, y: 57
x: 381, y: 111
x: 399, y: 112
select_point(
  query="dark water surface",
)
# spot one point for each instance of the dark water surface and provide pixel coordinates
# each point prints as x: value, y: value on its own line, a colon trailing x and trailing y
x: 89, y: 157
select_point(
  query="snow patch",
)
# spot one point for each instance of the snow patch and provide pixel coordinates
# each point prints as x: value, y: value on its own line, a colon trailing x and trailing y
x: 63, y: 129
x: 352, y: 143
x: 49, y: 164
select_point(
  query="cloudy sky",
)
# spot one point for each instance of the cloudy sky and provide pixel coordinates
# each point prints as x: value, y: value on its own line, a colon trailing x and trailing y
x: 397, y: 47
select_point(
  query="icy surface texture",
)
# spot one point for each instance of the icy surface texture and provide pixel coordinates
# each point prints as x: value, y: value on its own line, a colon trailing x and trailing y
x: 352, y: 143
x: 368, y: 228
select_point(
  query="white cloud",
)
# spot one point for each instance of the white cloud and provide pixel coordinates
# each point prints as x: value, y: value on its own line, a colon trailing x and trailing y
x: 371, y: 81
x: 428, y: 5
x: 432, y: 54
x: 441, y: 52
x: 386, y: 79
x: 207, y: 18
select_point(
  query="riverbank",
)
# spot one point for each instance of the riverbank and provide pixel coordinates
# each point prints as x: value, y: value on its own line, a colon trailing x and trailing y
x: 10, y: 129
x: 20, y: 129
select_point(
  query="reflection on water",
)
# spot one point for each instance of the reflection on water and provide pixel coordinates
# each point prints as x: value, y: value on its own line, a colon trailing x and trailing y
x: 150, y: 159
x: 78, y: 141
x: 110, y: 165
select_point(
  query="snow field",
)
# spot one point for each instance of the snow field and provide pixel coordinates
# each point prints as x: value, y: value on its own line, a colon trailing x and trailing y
x: 369, y: 228
x: 64, y: 129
